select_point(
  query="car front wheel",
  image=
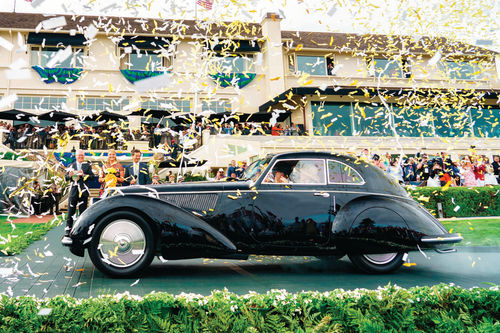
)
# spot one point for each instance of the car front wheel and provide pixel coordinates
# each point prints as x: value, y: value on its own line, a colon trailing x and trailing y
x: 122, y: 244
x: 377, y: 263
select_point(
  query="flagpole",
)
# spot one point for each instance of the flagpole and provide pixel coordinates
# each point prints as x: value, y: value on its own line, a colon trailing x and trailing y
x: 15, y: 5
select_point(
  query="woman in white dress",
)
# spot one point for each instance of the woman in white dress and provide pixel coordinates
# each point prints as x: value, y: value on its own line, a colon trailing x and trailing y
x: 489, y: 176
x: 396, y: 171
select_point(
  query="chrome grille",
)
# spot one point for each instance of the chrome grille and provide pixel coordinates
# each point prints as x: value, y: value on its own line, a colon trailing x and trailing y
x: 199, y: 202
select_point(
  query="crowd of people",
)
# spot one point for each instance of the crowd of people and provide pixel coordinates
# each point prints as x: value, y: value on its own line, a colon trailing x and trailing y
x: 115, y: 135
x: 103, y: 137
x: 424, y: 170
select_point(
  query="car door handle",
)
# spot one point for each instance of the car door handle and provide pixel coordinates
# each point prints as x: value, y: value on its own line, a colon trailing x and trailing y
x: 322, y: 194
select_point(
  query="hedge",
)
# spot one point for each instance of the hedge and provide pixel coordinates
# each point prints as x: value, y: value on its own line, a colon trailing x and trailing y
x: 459, y: 201
x: 442, y: 308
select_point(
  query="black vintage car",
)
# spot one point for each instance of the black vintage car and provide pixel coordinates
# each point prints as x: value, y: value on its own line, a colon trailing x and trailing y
x: 301, y: 203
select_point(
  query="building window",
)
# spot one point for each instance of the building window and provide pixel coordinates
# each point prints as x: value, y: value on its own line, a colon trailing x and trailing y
x: 412, y: 122
x: 449, y: 122
x: 243, y: 63
x: 40, y: 56
x: 462, y: 70
x: 332, y: 119
x: 144, y: 60
x: 313, y: 65
x: 39, y: 102
x: 370, y: 120
x: 485, y: 122
x: 216, y: 106
x: 386, y: 68
x: 102, y: 104
x: 171, y: 105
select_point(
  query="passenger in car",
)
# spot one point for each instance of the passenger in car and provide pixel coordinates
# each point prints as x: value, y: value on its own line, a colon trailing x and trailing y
x: 280, y: 177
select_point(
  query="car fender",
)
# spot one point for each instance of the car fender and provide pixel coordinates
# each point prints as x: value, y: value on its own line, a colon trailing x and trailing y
x: 163, y: 215
x: 382, y: 223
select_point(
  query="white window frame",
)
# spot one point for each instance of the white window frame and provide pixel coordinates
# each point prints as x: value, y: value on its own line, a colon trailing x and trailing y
x: 106, y: 107
x: 325, y: 57
x: 222, y: 69
x: 477, y: 77
x: 404, y: 74
x: 74, y: 49
x: 167, y: 61
x: 226, y: 102
x: 325, y: 174
x: 343, y: 183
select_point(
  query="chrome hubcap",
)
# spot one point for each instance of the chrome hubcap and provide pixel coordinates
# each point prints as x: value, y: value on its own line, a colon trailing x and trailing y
x: 380, y: 259
x: 122, y: 243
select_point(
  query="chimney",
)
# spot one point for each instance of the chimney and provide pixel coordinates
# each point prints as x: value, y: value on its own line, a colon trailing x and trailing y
x: 273, y: 54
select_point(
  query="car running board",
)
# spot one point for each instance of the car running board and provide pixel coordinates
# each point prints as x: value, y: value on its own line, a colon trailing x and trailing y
x: 446, y: 250
x: 236, y: 256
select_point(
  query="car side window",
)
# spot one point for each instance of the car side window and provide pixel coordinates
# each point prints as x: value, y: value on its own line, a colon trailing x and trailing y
x: 340, y: 173
x: 334, y: 172
x: 297, y: 172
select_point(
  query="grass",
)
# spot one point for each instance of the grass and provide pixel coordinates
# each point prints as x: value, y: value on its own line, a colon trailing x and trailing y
x: 476, y: 232
x: 14, y: 241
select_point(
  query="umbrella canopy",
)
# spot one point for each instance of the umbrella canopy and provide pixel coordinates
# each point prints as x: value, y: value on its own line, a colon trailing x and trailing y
x: 153, y: 113
x: 15, y: 114
x: 57, y: 116
x: 176, y: 163
x: 264, y: 116
x: 106, y: 115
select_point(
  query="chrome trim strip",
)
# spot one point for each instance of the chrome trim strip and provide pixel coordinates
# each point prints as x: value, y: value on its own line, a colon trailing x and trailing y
x: 349, y: 184
x: 278, y: 190
x: 438, y: 239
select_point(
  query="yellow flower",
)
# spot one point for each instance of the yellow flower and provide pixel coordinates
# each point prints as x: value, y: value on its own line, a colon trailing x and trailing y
x: 110, y: 170
x: 110, y: 180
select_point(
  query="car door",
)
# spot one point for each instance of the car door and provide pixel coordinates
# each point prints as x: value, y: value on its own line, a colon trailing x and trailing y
x: 295, y: 213
x: 345, y: 184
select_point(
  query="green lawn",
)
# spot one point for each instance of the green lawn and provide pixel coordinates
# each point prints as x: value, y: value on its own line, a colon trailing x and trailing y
x: 476, y: 232
x: 14, y: 241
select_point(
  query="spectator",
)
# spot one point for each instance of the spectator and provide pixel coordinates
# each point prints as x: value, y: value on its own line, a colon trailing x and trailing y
x: 496, y: 167
x: 489, y: 176
x: 231, y: 170
x: 395, y: 171
x: 468, y: 172
x: 80, y: 174
x: 138, y: 172
x: 112, y: 173
x: 220, y: 175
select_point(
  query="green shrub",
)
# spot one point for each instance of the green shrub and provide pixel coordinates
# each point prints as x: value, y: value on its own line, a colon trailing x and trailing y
x: 472, y: 201
x: 440, y: 308
x: 11, y: 156
x: 188, y: 177
x: 18, y: 244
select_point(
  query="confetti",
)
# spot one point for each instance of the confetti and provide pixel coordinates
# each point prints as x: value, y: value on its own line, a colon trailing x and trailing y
x: 6, y: 44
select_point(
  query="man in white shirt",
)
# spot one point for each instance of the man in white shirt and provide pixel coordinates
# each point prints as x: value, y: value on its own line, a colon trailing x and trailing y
x: 79, y: 174
x: 137, y: 173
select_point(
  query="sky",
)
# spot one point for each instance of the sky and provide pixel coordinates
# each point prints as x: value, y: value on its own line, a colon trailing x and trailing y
x: 473, y: 22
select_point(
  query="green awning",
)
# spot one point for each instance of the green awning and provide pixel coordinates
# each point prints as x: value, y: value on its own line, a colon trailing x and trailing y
x: 55, y: 39
x: 236, y: 46
x: 142, y: 42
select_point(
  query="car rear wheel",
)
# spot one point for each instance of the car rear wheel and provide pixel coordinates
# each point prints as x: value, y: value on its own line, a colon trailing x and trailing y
x: 377, y: 263
x: 122, y: 244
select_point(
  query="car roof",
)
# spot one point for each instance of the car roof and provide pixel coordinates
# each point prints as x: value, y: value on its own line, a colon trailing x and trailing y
x: 314, y: 154
x: 375, y: 178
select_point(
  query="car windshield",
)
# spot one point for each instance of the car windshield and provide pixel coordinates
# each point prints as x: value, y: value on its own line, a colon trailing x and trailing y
x: 255, y: 169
